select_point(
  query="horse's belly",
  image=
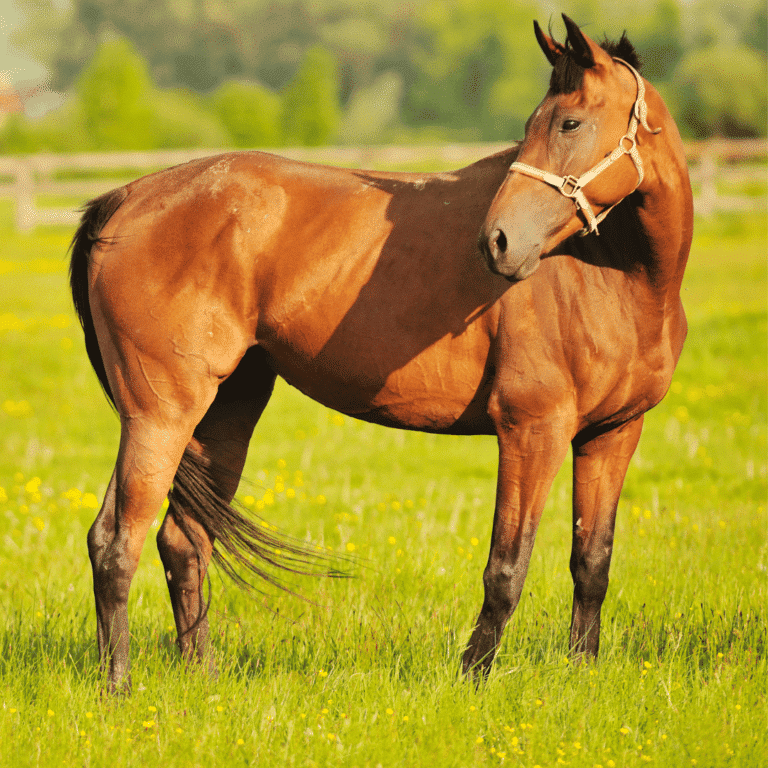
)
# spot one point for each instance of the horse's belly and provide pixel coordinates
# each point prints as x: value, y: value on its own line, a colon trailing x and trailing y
x: 442, y: 388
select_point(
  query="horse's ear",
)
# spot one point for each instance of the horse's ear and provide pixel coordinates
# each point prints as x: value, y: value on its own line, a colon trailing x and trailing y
x: 552, y: 49
x: 580, y: 47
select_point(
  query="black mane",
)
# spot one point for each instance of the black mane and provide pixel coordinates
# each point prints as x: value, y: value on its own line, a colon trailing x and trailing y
x: 568, y: 75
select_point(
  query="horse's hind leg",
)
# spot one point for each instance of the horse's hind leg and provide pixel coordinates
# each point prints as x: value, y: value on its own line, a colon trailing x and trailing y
x: 221, y: 440
x: 151, y: 446
x: 599, y: 467
x: 160, y: 398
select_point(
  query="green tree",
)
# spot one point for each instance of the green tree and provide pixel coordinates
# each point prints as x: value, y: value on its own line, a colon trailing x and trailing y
x: 723, y: 22
x: 721, y: 90
x: 121, y: 109
x: 182, y: 119
x: 373, y: 112
x: 658, y: 38
x: 17, y: 137
x: 187, y: 43
x: 115, y: 94
x: 59, y: 131
x: 250, y: 112
x: 479, y: 68
x: 310, y: 102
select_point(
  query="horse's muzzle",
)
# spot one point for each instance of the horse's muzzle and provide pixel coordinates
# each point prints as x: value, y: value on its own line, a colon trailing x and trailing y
x: 515, y: 261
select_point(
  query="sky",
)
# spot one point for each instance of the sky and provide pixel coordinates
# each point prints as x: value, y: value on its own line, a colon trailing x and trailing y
x: 19, y: 67
x: 18, y: 70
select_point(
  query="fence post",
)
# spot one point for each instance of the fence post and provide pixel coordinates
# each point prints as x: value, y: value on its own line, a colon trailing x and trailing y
x: 708, y: 176
x: 25, y: 197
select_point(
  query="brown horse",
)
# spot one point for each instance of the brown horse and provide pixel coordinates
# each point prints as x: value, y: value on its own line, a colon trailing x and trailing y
x: 198, y: 285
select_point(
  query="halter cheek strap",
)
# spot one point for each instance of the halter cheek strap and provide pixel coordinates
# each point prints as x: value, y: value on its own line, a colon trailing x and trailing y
x: 571, y: 186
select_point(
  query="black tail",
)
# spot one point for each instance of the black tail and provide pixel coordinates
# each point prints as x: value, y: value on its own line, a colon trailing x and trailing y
x: 246, y: 545
x: 95, y: 215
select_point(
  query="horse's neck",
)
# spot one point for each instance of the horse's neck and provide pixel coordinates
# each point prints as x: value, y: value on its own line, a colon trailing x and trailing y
x: 648, y: 235
x: 665, y: 211
x: 666, y: 218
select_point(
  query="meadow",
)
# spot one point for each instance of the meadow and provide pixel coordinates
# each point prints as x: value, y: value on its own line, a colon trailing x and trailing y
x: 364, y: 671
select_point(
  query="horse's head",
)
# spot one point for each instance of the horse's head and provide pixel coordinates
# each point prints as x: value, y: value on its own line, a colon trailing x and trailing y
x: 582, y: 133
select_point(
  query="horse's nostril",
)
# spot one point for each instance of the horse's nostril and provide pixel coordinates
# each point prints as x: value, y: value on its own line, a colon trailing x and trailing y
x: 500, y: 239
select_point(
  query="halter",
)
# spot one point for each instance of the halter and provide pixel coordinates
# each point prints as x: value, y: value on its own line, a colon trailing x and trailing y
x: 571, y: 186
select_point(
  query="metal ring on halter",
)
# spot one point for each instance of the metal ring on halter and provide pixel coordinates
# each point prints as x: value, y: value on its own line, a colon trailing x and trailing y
x: 632, y: 143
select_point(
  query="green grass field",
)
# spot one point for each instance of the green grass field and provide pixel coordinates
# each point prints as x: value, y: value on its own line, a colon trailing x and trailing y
x: 366, y: 673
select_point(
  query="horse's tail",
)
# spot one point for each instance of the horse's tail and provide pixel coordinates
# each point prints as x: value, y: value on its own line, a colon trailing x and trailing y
x: 241, y: 544
x: 95, y: 215
x: 244, y: 547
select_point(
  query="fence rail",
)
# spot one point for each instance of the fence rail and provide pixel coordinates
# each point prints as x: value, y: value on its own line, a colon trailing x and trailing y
x: 712, y: 164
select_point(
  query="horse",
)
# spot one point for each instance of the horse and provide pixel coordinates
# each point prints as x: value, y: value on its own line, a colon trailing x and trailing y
x: 489, y: 300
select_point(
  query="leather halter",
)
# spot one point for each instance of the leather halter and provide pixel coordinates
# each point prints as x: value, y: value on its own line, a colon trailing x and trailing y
x: 571, y: 186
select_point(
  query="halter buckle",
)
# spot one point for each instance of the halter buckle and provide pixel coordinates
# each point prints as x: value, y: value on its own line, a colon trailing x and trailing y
x: 570, y: 186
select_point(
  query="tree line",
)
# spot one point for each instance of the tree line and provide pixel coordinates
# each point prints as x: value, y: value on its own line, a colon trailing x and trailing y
x: 143, y: 74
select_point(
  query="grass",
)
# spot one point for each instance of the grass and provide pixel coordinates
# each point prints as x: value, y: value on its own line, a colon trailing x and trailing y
x: 366, y: 673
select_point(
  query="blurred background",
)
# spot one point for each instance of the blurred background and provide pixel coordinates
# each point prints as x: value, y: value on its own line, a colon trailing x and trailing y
x: 96, y: 75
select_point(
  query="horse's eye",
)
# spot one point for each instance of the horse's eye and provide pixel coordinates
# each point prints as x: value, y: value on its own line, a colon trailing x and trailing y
x: 570, y: 125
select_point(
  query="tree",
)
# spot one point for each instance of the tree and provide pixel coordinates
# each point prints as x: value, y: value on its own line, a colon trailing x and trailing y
x: 188, y: 44
x: 373, y: 111
x: 122, y: 109
x: 657, y: 36
x: 310, y: 102
x: 479, y: 68
x: 250, y: 112
x: 722, y: 91
x: 115, y: 94
x: 184, y: 120
x: 464, y: 69
x: 723, y: 22
x: 61, y: 130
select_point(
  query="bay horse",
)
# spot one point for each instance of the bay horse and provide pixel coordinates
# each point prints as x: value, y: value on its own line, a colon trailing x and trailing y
x: 371, y: 293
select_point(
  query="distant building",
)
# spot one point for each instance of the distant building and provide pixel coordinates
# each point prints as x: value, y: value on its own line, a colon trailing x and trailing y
x: 10, y: 98
x: 33, y: 98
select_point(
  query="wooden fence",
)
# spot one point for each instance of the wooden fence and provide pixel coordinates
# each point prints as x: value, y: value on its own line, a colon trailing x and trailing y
x: 718, y: 169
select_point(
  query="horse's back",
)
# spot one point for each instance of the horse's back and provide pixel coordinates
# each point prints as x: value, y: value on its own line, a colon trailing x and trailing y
x: 364, y: 288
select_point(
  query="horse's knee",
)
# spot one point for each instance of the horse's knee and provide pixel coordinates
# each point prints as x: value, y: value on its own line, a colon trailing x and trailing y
x: 501, y: 592
x: 181, y: 560
x: 589, y: 570
x: 97, y: 542
x: 113, y: 570
x: 174, y: 547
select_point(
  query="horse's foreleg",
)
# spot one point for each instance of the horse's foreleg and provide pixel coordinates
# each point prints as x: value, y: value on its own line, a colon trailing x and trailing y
x: 529, y: 458
x: 599, y: 467
x: 222, y: 439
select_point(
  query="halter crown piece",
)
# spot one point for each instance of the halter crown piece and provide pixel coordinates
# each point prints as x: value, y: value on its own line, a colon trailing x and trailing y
x: 572, y: 187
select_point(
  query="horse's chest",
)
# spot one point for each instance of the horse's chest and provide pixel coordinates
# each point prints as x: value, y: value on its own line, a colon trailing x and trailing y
x: 599, y: 357
x: 623, y: 369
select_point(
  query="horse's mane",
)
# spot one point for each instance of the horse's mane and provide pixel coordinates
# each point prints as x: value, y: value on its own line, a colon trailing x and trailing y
x: 568, y: 74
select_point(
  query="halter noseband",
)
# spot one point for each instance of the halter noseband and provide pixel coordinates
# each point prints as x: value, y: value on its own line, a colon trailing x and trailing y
x: 571, y: 186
